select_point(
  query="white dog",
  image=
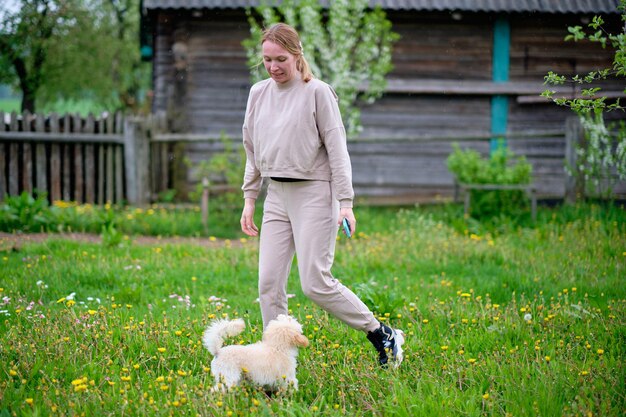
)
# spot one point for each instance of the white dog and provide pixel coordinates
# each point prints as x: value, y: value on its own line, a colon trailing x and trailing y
x: 269, y: 363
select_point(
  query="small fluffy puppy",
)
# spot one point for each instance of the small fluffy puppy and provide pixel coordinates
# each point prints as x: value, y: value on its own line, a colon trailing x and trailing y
x: 269, y: 363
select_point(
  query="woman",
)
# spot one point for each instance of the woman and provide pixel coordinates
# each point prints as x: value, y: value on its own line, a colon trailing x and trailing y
x: 293, y: 134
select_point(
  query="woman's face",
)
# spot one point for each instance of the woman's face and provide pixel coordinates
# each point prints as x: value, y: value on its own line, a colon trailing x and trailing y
x: 279, y: 63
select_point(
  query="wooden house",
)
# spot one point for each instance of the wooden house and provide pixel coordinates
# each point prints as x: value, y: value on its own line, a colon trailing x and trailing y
x: 464, y: 70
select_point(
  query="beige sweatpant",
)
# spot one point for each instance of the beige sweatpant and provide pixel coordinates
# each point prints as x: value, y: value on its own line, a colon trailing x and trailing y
x: 301, y: 217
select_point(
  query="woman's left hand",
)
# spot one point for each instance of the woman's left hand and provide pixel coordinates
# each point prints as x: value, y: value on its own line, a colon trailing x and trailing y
x: 347, y: 213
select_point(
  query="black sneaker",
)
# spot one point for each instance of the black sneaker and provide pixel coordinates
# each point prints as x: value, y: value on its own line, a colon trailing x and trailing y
x: 388, y: 342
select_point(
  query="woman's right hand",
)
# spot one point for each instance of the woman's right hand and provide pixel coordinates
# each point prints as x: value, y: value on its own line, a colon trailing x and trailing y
x: 247, y: 218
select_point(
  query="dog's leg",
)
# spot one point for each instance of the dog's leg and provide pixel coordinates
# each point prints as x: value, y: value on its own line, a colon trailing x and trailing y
x: 290, y: 381
x: 226, y: 375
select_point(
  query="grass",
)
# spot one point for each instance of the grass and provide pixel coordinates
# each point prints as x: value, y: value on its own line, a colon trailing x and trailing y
x: 82, y: 107
x: 502, y: 319
x: 10, y: 104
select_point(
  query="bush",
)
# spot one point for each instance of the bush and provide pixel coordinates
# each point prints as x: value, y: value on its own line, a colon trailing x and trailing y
x: 503, y: 167
x: 26, y: 213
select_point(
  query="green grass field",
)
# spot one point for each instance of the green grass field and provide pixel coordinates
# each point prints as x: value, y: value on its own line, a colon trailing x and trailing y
x: 505, y: 320
x: 10, y: 104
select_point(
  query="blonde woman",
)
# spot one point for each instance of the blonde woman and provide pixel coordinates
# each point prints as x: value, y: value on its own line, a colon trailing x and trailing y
x: 293, y: 135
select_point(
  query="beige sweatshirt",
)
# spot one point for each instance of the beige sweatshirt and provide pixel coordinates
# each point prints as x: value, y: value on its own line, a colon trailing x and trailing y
x: 294, y: 130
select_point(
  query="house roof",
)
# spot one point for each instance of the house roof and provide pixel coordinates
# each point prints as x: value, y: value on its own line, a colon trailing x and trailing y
x: 545, y: 6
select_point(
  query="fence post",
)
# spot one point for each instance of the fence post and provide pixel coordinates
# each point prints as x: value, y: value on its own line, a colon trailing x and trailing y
x: 3, y: 185
x: 205, y: 204
x: 136, y: 161
x: 574, y: 186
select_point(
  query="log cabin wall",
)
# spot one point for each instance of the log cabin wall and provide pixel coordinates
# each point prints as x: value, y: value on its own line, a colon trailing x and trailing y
x: 440, y: 89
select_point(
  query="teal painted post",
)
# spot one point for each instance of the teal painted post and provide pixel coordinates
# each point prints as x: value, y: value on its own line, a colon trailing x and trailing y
x: 501, y: 63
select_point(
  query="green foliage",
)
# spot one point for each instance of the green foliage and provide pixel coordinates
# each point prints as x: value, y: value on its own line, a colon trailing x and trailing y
x: 503, y: 167
x: 381, y: 299
x: 602, y: 160
x: 85, y: 329
x: 26, y: 213
x: 224, y: 170
x: 65, y: 51
x: 593, y: 102
x: 604, y: 149
x: 350, y: 48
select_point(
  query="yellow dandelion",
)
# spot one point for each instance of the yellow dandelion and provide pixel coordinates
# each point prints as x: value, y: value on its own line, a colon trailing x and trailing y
x: 486, y: 396
x: 79, y: 381
x: 29, y: 401
x: 181, y: 373
x: 80, y: 388
x: 444, y: 348
x: 161, y: 350
x: 164, y: 387
x: 547, y: 358
x: 12, y: 372
x: 600, y: 351
x: 471, y: 360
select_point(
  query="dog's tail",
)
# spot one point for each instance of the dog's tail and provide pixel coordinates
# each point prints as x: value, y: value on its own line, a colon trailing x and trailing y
x: 214, y: 335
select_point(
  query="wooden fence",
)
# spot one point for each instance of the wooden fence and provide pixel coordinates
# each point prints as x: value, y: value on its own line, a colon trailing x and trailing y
x: 112, y: 158
x: 87, y: 160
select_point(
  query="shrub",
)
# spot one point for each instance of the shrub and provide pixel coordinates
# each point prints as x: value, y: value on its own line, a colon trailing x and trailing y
x: 503, y: 167
x: 26, y: 213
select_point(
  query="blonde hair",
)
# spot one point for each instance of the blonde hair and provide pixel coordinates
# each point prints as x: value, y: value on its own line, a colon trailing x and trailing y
x: 287, y: 37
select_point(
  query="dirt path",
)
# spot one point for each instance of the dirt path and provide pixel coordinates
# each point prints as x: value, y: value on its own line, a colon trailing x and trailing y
x: 10, y: 241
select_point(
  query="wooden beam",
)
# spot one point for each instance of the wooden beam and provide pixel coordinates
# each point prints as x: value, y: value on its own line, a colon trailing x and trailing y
x: 468, y: 87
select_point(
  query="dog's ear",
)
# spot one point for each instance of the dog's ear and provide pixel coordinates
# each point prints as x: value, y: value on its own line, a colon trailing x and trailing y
x: 301, y: 340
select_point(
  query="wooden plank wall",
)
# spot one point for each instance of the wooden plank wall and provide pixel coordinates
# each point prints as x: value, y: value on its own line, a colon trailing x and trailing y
x: 68, y: 157
x: 390, y: 159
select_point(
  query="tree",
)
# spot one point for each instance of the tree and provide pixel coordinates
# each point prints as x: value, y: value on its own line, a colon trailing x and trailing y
x: 72, y: 49
x: 605, y: 149
x: 24, y: 40
x: 346, y: 45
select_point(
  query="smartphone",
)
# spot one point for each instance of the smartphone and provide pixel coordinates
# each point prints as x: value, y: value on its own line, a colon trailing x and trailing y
x: 346, y: 227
